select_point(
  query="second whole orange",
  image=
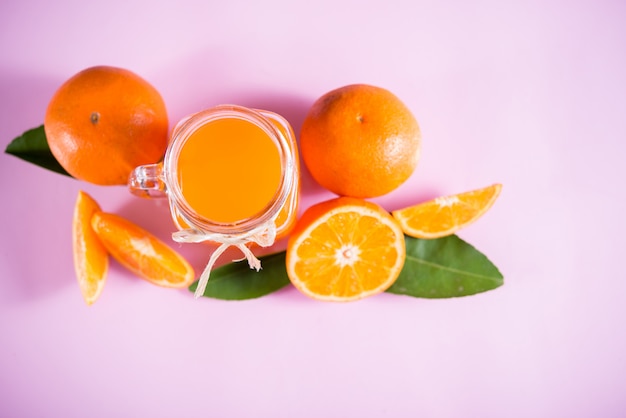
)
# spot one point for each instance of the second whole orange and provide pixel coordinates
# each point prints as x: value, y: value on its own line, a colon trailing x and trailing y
x: 105, y: 121
x: 360, y: 141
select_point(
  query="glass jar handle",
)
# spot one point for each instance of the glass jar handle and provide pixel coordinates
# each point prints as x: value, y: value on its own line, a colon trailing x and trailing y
x: 147, y: 181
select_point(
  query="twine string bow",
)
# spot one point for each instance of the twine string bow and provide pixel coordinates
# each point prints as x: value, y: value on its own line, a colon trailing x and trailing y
x: 264, y: 236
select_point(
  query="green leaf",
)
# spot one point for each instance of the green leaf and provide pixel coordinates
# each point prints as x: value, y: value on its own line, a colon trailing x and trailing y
x: 237, y: 281
x: 444, y: 268
x: 434, y: 268
x: 32, y: 146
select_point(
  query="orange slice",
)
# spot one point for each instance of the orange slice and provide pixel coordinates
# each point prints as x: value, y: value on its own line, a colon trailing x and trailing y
x: 91, y: 260
x: 445, y: 215
x: 141, y: 252
x: 345, y: 249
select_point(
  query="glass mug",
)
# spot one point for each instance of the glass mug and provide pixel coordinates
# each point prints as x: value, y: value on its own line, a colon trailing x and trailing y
x: 231, y: 176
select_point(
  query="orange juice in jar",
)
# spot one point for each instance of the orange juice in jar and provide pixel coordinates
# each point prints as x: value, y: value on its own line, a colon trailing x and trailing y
x: 231, y: 175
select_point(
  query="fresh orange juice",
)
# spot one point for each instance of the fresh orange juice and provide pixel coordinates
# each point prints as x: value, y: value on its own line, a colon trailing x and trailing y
x: 229, y: 170
x: 231, y: 176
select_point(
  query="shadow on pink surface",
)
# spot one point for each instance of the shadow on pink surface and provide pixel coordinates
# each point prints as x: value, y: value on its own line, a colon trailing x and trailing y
x: 23, y: 102
x: 36, y: 247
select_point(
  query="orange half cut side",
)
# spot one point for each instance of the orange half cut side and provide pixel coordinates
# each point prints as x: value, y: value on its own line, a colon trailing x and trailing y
x: 345, y: 249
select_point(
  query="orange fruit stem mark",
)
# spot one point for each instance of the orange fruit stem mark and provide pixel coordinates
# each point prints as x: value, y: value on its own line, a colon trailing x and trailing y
x: 345, y: 249
x: 447, y: 214
x: 91, y: 260
x: 141, y: 252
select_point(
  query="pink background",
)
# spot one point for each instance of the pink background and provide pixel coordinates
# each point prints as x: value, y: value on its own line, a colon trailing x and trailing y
x: 531, y: 94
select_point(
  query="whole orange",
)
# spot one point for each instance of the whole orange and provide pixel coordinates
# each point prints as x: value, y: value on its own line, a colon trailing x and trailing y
x: 105, y: 121
x: 360, y: 141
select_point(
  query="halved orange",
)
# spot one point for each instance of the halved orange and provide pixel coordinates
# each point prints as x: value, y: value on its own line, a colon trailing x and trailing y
x: 141, y: 252
x: 345, y: 249
x: 91, y: 260
x: 445, y: 215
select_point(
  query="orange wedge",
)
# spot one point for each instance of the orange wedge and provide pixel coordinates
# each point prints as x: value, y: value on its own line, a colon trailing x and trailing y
x: 141, y: 252
x: 445, y: 215
x: 91, y: 260
x: 345, y: 249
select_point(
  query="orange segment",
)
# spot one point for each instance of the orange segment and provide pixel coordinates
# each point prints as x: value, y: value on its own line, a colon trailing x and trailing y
x: 345, y: 249
x: 91, y: 260
x: 141, y: 252
x: 446, y: 215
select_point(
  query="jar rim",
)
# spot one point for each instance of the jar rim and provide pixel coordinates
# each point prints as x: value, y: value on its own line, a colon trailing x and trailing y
x: 183, y: 131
